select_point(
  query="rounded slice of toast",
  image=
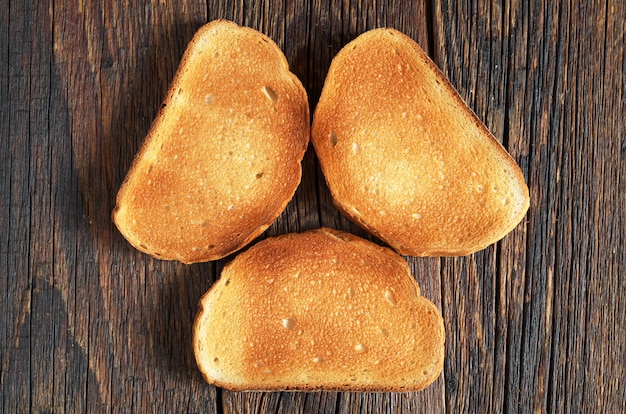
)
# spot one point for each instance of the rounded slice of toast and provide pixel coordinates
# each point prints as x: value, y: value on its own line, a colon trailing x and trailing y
x: 318, y: 310
x: 406, y: 158
x: 222, y: 159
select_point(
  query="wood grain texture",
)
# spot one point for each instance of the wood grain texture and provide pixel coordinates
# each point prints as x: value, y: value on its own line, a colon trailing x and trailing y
x: 88, y: 324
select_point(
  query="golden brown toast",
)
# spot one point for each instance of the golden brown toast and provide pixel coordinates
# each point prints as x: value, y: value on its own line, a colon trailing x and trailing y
x: 406, y: 158
x: 318, y: 310
x: 222, y: 159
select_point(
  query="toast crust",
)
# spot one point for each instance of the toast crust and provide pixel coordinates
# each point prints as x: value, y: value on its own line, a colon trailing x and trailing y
x: 320, y: 310
x: 404, y: 156
x: 222, y: 158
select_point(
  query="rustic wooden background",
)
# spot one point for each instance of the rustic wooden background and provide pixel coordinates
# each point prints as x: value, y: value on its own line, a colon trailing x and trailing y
x: 534, y: 323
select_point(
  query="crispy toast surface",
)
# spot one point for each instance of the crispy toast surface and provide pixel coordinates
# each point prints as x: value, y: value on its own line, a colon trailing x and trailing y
x: 404, y: 156
x: 317, y: 310
x: 222, y: 159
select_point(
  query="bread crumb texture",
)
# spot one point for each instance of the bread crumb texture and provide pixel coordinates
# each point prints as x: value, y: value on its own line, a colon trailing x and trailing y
x: 318, y: 310
x: 222, y: 159
x: 406, y: 158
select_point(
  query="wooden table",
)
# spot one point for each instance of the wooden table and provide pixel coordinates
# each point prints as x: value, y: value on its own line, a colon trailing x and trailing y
x: 534, y: 323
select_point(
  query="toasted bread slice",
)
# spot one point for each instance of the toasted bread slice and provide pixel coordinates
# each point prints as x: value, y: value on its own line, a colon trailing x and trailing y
x: 406, y: 158
x: 318, y: 310
x: 222, y: 158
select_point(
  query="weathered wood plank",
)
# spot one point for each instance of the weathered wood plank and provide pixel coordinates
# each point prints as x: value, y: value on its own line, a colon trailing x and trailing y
x: 79, y: 60
x: 6, y: 199
x: 607, y: 294
x: 5, y: 203
x: 566, y: 287
x: 16, y: 364
x: 71, y: 369
x: 41, y: 257
x: 513, y: 265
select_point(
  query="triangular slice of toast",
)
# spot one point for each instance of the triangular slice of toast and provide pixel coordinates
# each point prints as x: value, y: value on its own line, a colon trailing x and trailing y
x: 222, y: 158
x: 318, y: 310
x: 406, y: 158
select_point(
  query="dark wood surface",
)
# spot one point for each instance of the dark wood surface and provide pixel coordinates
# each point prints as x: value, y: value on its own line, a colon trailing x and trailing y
x: 536, y: 322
